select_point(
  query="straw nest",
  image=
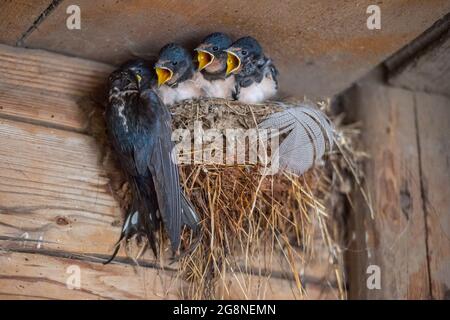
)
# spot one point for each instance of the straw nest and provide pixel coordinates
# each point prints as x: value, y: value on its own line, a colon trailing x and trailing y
x: 258, y: 226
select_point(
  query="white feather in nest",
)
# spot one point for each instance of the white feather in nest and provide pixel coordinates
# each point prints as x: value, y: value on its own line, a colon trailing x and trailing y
x: 308, y: 135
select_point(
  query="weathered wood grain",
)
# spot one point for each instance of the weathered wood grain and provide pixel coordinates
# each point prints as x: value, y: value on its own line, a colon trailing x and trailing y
x: 433, y: 118
x: 48, y: 88
x: 395, y: 240
x: 17, y: 16
x: 36, y: 276
x: 320, y: 47
x: 52, y: 187
x: 429, y: 71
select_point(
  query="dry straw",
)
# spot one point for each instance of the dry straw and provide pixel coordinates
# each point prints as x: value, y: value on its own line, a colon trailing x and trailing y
x: 261, y: 232
x: 258, y: 227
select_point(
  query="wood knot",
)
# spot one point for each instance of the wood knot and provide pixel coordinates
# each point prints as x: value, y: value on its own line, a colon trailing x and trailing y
x: 62, y: 221
x: 405, y: 202
x: 116, y: 223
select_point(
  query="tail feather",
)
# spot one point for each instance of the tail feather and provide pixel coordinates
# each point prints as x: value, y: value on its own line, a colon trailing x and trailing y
x: 137, y: 223
x: 129, y: 229
x: 188, y: 215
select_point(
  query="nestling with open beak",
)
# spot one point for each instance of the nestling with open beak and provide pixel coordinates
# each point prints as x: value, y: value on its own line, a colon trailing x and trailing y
x: 212, y: 62
x: 139, y: 128
x: 256, y: 75
x: 177, y: 78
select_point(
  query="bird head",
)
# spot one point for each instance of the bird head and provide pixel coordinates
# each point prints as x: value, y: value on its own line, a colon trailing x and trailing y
x: 242, y: 52
x: 211, y: 56
x: 123, y: 80
x: 174, y: 65
x: 142, y: 72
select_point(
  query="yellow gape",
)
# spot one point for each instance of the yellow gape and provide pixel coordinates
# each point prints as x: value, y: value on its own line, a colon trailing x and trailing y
x: 139, y: 78
x: 233, y: 62
x: 204, y: 59
x: 164, y: 75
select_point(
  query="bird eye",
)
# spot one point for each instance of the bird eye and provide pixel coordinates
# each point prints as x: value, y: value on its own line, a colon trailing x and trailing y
x: 174, y: 63
x: 215, y: 48
x: 244, y: 52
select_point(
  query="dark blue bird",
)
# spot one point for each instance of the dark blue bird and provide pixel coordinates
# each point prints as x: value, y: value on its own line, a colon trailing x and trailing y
x: 177, y: 77
x: 144, y: 72
x: 212, y: 62
x: 256, y: 75
x: 139, y: 128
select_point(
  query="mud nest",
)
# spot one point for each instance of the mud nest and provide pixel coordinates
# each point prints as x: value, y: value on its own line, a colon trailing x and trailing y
x: 257, y: 226
x: 252, y: 221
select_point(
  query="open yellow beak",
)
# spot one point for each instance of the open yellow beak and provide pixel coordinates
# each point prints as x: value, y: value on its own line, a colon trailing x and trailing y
x: 204, y: 59
x: 164, y: 75
x: 233, y: 62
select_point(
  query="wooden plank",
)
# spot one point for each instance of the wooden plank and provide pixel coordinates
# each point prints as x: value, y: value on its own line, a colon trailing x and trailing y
x: 36, y: 276
x: 319, y: 47
x: 429, y: 72
x: 16, y: 17
x: 433, y: 116
x: 48, y: 88
x: 52, y: 187
x: 395, y: 240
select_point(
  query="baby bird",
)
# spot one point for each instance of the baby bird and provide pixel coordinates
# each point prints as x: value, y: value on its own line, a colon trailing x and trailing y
x: 139, y: 129
x: 212, y: 62
x: 256, y: 75
x: 177, y: 78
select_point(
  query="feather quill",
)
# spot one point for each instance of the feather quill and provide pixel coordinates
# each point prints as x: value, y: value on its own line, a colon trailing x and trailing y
x: 307, y: 132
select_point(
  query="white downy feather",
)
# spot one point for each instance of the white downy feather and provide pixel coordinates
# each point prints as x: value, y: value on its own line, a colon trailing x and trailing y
x: 309, y: 135
x: 190, y: 89
x: 258, y: 92
x: 221, y: 88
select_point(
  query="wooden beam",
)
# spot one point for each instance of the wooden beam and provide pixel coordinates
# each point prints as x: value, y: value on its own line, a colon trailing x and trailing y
x: 36, y: 276
x: 47, y: 88
x: 320, y: 47
x: 16, y: 17
x: 53, y: 190
x: 433, y: 118
x: 429, y: 70
x: 395, y: 238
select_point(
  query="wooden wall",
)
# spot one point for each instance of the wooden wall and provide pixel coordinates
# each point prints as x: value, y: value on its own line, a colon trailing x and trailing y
x: 406, y: 133
x: 320, y: 47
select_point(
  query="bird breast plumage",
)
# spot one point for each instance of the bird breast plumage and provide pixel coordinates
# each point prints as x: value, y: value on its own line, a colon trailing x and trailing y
x: 220, y: 88
x: 258, y: 92
x: 189, y: 89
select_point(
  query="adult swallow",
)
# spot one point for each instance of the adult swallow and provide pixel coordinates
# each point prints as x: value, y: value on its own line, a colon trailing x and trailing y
x: 256, y: 75
x: 139, y: 129
x: 177, y: 78
x: 212, y: 62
